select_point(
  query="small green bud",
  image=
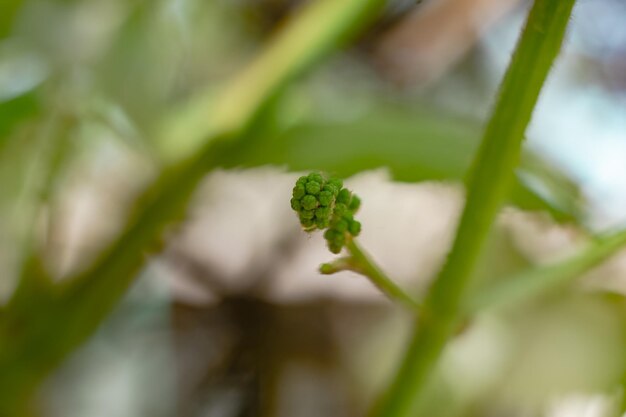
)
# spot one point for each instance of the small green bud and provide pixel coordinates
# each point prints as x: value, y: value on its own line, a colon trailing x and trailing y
x: 322, y: 213
x: 321, y: 223
x: 316, y: 177
x: 330, y: 234
x: 340, y: 239
x: 341, y: 226
x: 302, y: 181
x: 336, y: 182
x: 307, y: 223
x: 295, y: 204
x: 355, y: 228
x: 334, y: 248
x: 299, y: 191
x: 313, y: 187
x: 340, y: 209
x: 355, y: 203
x: 331, y: 189
x: 307, y: 214
x: 325, y: 198
x: 344, y: 196
x: 327, y: 269
x: 309, y: 202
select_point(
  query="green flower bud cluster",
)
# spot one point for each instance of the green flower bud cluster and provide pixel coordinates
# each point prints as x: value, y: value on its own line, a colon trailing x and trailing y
x: 325, y: 204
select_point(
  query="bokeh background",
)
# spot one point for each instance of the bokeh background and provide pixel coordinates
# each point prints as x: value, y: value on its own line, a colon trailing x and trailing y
x: 231, y: 317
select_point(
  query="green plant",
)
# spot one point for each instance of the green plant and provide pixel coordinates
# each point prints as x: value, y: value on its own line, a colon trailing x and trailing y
x: 65, y: 314
x: 324, y: 204
x: 45, y: 320
x: 489, y: 180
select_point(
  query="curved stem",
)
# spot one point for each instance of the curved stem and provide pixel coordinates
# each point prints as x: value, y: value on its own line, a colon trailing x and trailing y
x: 360, y: 262
x: 509, y: 291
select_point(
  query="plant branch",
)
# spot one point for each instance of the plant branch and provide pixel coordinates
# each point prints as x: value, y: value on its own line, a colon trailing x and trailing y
x: 360, y: 262
x: 320, y: 27
x: 510, y: 291
x: 527, y: 284
x: 487, y: 186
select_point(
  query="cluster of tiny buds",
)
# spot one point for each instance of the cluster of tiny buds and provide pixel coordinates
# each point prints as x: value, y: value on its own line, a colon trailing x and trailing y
x: 324, y: 204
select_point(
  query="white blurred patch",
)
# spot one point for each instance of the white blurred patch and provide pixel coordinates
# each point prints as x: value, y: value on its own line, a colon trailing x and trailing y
x: 20, y: 70
x: 477, y: 360
x: 539, y: 238
x: 236, y: 223
x: 579, y: 405
x: 241, y: 230
x: 94, y: 201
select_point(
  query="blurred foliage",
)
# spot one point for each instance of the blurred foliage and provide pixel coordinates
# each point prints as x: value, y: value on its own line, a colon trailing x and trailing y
x: 148, y: 77
x: 415, y: 145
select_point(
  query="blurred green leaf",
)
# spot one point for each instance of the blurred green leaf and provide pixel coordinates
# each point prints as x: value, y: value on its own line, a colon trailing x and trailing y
x: 8, y: 11
x: 536, y: 281
x: 414, y: 146
x: 15, y: 111
x: 34, y: 341
x: 322, y: 26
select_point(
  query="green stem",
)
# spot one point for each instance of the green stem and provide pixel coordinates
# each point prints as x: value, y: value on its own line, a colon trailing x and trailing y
x: 360, y: 262
x: 321, y: 26
x: 511, y: 291
x: 528, y: 284
x: 621, y: 406
x: 487, y: 186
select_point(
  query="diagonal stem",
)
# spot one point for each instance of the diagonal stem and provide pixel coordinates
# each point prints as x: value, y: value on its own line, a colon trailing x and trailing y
x: 360, y: 262
x: 487, y: 186
x: 527, y: 284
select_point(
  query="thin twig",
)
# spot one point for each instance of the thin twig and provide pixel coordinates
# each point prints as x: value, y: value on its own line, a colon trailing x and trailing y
x: 360, y: 262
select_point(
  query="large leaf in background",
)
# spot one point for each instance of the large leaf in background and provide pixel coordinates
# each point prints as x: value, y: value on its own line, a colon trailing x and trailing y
x: 8, y: 11
x: 16, y: 110
x: 414, y: 146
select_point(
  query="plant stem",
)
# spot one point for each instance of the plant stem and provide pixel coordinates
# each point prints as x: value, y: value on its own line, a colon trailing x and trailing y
x: 360, y: 262
x: 528, y: 284
x: 510, y: 291
x: 487, y: 186
x: 320, y: 26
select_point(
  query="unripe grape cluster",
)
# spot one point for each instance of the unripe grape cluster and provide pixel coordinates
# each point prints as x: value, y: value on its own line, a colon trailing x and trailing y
x: 324, y: 204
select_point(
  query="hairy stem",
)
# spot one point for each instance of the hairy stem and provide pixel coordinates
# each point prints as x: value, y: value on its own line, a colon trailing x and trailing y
x: 490, y: 177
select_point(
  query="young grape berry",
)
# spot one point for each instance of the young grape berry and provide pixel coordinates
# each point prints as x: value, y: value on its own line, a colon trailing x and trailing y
x: 325, y: 205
